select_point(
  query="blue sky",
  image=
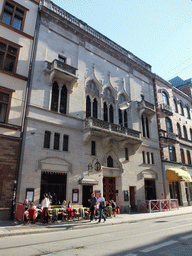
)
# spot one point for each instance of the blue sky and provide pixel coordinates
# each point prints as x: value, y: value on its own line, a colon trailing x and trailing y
x: 158, y: 32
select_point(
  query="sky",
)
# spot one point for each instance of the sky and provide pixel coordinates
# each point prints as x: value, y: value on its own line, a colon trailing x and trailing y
x: 157, y: 31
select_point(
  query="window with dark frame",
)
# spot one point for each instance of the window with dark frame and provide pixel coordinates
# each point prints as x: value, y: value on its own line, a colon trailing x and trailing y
x: 14, y: 15
x: 65, y: 142
x: 5, y: 103
x: 47, y: 138
x: 126, y: 154
x: 62, y: 59
x: 8, y: 56
x: 148, y: 158
x: 188, y: 157
x: 105, y: 112
x: 152, y: 158
x: 143, y: 154
x: 88, y: 106
x: 172, y: 153
x: 182, y: 156
x: 56, y: 141
x: 93, y: 148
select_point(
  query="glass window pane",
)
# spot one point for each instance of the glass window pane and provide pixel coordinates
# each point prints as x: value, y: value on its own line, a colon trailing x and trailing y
x: 12, y: 50
x: 9, y: 63
x: 2, y: 46
x: 1, y: 59
x: 17, y: 22
x: 3, y: 112
x: 7, y: 17
x: 4, y: 97
x: 9, y: 6
x: 19, y: 11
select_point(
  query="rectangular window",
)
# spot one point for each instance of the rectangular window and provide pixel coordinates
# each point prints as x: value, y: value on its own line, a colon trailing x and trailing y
x: 143, y: 153
x: 148, y: 158
x: 93, y: 148
x: 47, y: 138
x: 152, y: 158
x: 56, y: 140
x: 8, y: 56
x: 14, y: 15
x: 65, y: 142
x: 126, y: 154
x: 5, y: 102
x: 62, y: 59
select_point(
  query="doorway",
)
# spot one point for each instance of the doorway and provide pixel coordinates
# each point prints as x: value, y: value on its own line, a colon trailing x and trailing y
x: 109, y: 188
x: 174, y: 190
x: 150, y: 189
x: 87, y: 191
x: 132, y: 197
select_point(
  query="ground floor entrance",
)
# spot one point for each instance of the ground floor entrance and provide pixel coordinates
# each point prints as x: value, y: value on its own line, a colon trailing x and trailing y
x: 87, y: 191
x: 174, y: 190
x: 150, y: 189
x: 109, y: 188
x: 54, y: 184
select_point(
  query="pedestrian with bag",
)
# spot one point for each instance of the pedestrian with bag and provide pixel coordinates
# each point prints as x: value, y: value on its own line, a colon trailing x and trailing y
x: 92, y: 201
x: 101, y: 202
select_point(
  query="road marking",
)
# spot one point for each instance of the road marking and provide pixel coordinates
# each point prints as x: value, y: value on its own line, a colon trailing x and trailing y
x: 131, y: 254
x: 152, y: 248
x: 185, y: 237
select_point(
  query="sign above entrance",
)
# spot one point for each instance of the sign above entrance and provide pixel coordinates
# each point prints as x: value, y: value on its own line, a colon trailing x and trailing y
x: 97, y: 166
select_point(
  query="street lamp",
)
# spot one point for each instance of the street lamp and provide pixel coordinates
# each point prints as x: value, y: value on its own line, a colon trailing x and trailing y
x: 96, y: 166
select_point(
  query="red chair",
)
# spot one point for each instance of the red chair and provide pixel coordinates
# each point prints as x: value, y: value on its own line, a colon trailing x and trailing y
x: 32, y: 215
x: 70, y: 212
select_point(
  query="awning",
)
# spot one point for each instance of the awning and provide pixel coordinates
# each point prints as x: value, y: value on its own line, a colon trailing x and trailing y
x: 176, y: 174
x: 86, y: 181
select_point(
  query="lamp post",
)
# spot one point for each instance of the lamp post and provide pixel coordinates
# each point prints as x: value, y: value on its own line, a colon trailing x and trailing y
x: 96, y: 166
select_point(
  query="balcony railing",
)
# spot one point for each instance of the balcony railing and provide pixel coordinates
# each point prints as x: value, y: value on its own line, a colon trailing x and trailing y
x: 168, y: 135
x: 56, y: 64
x: 97, y: 123
x: 167, y: 109
x: 67, y: 16
x: 146, y: 104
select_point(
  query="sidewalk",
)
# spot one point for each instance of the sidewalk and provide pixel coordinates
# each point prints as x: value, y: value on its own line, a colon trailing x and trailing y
x: 9, y: 228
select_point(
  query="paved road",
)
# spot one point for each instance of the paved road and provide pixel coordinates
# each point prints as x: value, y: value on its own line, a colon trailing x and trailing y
x: 166, y: 236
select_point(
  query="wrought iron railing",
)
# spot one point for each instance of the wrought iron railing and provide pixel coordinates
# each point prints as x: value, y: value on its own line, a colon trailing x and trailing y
x: 60, y: 65
x: 94, y: 33
x: 94, y: 122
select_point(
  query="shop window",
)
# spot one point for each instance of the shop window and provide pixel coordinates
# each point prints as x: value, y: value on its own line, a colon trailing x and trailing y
x: 126, y: 154
x: 8, y: 56
x: 182, y: 156
x: 5, y: 102
x: 93, y: 148
x: 47, y: 138
x: 65, y: 142
x: 56, y: 141
x: 14, y: 15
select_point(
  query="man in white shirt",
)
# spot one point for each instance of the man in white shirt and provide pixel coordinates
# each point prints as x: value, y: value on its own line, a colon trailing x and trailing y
x: 45, y: 205
x: 101, y: 202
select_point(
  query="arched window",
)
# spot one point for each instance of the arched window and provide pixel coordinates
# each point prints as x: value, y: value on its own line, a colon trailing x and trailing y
x: 168, y: 125
x: 88, y: 107
x: 185, y: 132
x: 125, y: 118
x: 95, y: 108
x: 175, y: 105
x: 165, y: 98
x: 105, y: 112
x: 181, y: 109
x: 191, y: 134
x: 179, y: 130
x: 111, y: 114
x: 55, y: 97
x: 145, y: 126
x: 188, y: 112
x: 109, y: 161
x: 120, y: 117
x: 172, y: 155
x: 188, y: 157
x: 182, y: 156
x: 63, y: 102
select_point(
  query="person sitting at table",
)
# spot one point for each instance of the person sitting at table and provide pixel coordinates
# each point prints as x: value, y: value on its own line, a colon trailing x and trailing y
x: 70, y: 210
x: 64, y: 205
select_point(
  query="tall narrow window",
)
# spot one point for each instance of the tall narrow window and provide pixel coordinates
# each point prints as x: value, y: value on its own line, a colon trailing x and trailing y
x: 63, y: 102
x: 172, y: 155
x: 105, y: 112
x: 185, y: 132
x: 143, y: 154
x: 181, y: 109
x: 120, y: 117
x: 148, y: 158
x: 165, y: 98
x: 55, y: 97
x: 126, y: 154
x: 179, y: 130
x: 88, y: 107
x: 188, y: 157
x: 182, y: 156
x: 188, y: 112
x: 168, y: 124
x: 111, y: 113
x: 143, y: 125
x: 93, y: 148
x: 175, y: 106
x: 191, y: 134
x: 109, y: 161
x: 95, y: 108
x: 56, y: 141
x: 125, y: 119
x: 47, y: 137
x: 147, y: 127
x: 65, y: 142
x: 4, y: 106
x: 152, y: 158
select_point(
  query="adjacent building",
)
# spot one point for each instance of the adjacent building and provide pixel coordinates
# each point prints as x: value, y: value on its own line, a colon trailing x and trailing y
x: 91, y: 122
x: 17, y: 26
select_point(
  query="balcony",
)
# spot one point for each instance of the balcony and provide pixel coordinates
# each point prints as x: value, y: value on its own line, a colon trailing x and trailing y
x: 58, y: 69
x: 108, y: 131
x: 166, y: 109
x: 146, y: 107
x: 168, y: 136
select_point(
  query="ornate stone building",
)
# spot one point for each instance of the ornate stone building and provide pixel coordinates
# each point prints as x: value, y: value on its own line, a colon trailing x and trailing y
x: 175, y: 135
x: 91, y: 123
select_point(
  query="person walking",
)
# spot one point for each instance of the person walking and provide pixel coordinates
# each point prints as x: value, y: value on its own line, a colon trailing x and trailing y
x: 45, y: 205
x: 92, y: 202
x: 101, y: 202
